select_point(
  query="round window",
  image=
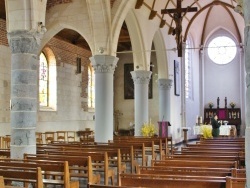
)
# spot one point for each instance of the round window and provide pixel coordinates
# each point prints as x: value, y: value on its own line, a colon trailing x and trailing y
x: 222, y: 50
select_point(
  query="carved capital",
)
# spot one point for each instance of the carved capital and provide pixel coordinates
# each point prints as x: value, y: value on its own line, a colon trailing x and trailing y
x: 104, y: 63
x: 165, y: 84
x: 141, y: 76
x: 23, y: 41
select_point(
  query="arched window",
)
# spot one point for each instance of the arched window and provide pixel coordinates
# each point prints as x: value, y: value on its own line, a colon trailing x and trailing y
x: 91, y: 88
x: 43, y: 81
x: 47, y: 81
x: 188, y: 70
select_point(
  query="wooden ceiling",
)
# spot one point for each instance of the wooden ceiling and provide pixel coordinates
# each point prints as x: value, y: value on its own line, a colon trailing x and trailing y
x: 75, y: 38
x: 124, y: 43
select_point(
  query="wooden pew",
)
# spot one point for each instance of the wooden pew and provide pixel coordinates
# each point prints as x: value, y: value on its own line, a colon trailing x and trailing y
x: 208, y: 152
x: 214, y: 149
x: 20, y: 174
x: 233, y: 182
x: 193, y: 163
x: 100, y: 161
x: 5, y: 153
x: 107, y: 186
x: 171, y: 181
x: 165, y: 144
x: 139, y: 152
x: 239, y: 173
x: 204, y: 158
x: 2, y: 182
x: 218, y: 145
x: 126, y: 152
x: 192, y: 171
x: 49, y: 168
x: 79, y: 167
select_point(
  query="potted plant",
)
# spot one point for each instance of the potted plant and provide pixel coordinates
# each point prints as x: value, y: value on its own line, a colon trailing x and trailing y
x: 148, y: 129
x: 232, y: 104
x: 210, y: 104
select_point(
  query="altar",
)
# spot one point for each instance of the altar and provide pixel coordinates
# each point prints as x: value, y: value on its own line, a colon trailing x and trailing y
x: 225, y: 130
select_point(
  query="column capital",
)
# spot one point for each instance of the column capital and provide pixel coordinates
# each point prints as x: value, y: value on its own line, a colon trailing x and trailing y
x: 104, y: 63
x: 24, y: 41
x: 141, y: 76
x: 165, y: 84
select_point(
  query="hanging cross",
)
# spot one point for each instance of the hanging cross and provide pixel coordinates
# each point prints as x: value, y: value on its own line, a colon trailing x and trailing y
x: 177, y: 15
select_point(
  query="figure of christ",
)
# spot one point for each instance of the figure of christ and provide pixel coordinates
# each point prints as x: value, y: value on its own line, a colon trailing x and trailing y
x: 177, y: 16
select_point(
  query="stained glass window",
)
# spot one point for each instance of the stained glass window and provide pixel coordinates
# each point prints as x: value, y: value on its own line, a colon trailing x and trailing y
x: 43, y: 81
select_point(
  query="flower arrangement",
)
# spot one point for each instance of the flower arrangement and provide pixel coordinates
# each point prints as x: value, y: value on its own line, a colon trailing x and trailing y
x: 148, y: 129
x: 232, y: 104
x: 210, y: 104
x: 206, y: 131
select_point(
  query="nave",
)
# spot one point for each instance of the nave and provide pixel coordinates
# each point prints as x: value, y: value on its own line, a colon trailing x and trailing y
x: 130, y: 161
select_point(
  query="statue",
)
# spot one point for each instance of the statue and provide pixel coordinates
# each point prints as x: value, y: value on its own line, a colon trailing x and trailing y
x: 218, y: 102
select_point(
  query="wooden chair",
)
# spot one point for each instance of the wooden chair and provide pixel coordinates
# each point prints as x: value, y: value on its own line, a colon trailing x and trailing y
x: 39, y: 137
x: 71, y: 135
x: 49, y: 137
x: 6, y: 142
x: 61, y: 135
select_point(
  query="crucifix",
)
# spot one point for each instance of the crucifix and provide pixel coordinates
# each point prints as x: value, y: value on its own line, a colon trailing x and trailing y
x: 177, y: 15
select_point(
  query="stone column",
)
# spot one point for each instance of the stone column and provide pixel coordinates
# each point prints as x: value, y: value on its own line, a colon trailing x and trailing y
x: 141, y: 80
x: 24, y: 78
x: 104, y: 66
x: 164, y: 86
x: 246, y: 11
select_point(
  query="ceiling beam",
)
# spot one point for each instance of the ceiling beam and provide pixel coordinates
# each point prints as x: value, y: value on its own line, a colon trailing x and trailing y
x: 139, y: 4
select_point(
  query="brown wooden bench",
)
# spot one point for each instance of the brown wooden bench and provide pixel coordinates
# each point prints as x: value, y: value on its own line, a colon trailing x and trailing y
x: 78, y: 167
x: 164, y: 144
x: 218, y: 145
x: 233, y: 182
x: 2, y: 182
x: 171, y: 181
x: 126, y: 152
x: 49, y: 169
x: 20, y: 174
x: 100, y: 161
x: 204, y: 158
x: 239, y: 173
x: 108, y: 186
x: 214, y: 149
x: 208, y: 152
x: 5, y: 153
x: 194, y: 171
x: 193, y: 163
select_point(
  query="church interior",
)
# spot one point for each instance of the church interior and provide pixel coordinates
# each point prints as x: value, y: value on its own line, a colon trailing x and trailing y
x: 99, y: 78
